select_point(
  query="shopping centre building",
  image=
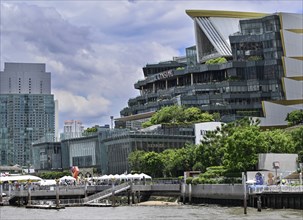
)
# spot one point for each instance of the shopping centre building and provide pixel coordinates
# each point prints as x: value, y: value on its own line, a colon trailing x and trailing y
x: 243, y: 64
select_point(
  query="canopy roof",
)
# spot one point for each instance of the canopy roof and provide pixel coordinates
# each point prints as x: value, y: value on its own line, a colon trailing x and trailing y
x: 123, y: 177
x: 225, y: 14
x: 19, y: 178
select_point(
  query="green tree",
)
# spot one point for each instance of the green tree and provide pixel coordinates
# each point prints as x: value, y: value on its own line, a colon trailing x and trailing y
x: 242, y: 148
x: 297, y: 138
x: 91, y: 130
x: 215, y: 148
x: 176, y: 161
x: 168, y: 157
x: 295, y: 117
x: 168, y: 114
x: 278, y: 141
x: 152, y: 164
x: 179, y: 115
x: 135, y: 160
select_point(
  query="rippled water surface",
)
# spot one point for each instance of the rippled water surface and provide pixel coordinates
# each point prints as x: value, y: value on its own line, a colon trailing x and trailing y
x: 147, y: 212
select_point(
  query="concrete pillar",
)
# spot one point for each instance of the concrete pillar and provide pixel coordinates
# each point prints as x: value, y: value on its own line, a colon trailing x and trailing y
x: 1, y: 190
x: 189, y: 193
x: 29, y: 200
x: 154, y: 87
x: 166, y: 84
x: 245, y: 194
x: 57, y: 193
x: 85, y: 188
x: 183, y: 192
x: 9, y: 189
x: 191, y: 79
x: 177, y: 81
x: 301, y: 187
x: 113, y: 194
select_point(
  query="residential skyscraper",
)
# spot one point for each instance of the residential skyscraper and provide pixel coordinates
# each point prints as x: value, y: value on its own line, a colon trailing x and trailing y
x: 27, y: 110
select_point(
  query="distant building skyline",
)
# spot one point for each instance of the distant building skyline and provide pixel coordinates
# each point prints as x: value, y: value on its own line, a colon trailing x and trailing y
x: 73, y: 128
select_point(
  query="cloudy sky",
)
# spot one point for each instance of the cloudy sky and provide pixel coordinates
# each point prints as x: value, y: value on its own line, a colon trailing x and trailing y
x: 95, y: 49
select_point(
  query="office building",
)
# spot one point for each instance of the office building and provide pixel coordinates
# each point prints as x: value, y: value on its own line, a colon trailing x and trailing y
x: 27, y: 110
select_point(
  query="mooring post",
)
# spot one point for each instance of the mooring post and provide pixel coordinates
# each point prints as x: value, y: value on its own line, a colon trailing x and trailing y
x: 301, y: 181
x: 113, y: 193
x: 57, y: 193
x: 245, y: 194
x: 21, y: 193
x: 1, y: 190
x: 259, y: 203
x: 85, y: 188
x: 138, y: 196
x: 128, y: 197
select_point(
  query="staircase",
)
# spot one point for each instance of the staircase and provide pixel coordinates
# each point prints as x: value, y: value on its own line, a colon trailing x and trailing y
x: 107, y: 193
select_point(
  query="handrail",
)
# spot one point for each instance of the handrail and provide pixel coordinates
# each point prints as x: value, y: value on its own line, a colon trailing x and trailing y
x: 106, y: 193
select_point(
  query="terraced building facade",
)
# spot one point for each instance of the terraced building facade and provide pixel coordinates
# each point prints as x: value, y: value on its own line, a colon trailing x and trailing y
x: 243, y: 64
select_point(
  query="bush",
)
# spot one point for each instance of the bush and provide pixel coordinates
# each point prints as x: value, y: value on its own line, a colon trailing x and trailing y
x: 196, y: 181
x: 218, y: 60
x: 189, y: 180
x: 53, y: 174
x: 254, y: 58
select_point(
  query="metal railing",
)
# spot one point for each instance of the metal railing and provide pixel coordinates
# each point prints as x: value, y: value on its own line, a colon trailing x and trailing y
x: 277, y: 188
x: 106, y: 193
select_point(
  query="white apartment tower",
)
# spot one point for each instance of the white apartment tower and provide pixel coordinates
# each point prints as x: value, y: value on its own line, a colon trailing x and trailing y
x: 73, y: 128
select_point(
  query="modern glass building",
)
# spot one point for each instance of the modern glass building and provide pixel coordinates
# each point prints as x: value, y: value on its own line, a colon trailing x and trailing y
x: 117, y: 144
x: 107, y: 150
x: 47, y: 156
x: 243, y: 64
x: 27, y: 111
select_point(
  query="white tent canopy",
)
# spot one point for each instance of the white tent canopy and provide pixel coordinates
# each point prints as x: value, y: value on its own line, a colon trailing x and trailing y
x: 123, y: 177
x: 47, y: 182
x: 143, y: 175
x: 20, y: 178
x: 67, y: 178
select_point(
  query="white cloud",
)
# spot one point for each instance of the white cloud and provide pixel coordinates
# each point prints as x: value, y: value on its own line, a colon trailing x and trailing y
x: 79, y: 106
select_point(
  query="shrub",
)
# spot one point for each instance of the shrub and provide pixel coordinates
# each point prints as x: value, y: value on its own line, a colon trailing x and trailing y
x: 218, y: 60
x: 189, y: 180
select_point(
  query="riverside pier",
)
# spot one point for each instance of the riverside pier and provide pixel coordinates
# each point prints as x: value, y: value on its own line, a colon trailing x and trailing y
x: 275, y: 197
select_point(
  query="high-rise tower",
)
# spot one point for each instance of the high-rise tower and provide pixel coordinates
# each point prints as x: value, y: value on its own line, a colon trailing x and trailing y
x: 27, y: 110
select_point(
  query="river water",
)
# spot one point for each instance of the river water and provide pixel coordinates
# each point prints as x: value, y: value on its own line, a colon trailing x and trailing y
x: 148, y: 212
